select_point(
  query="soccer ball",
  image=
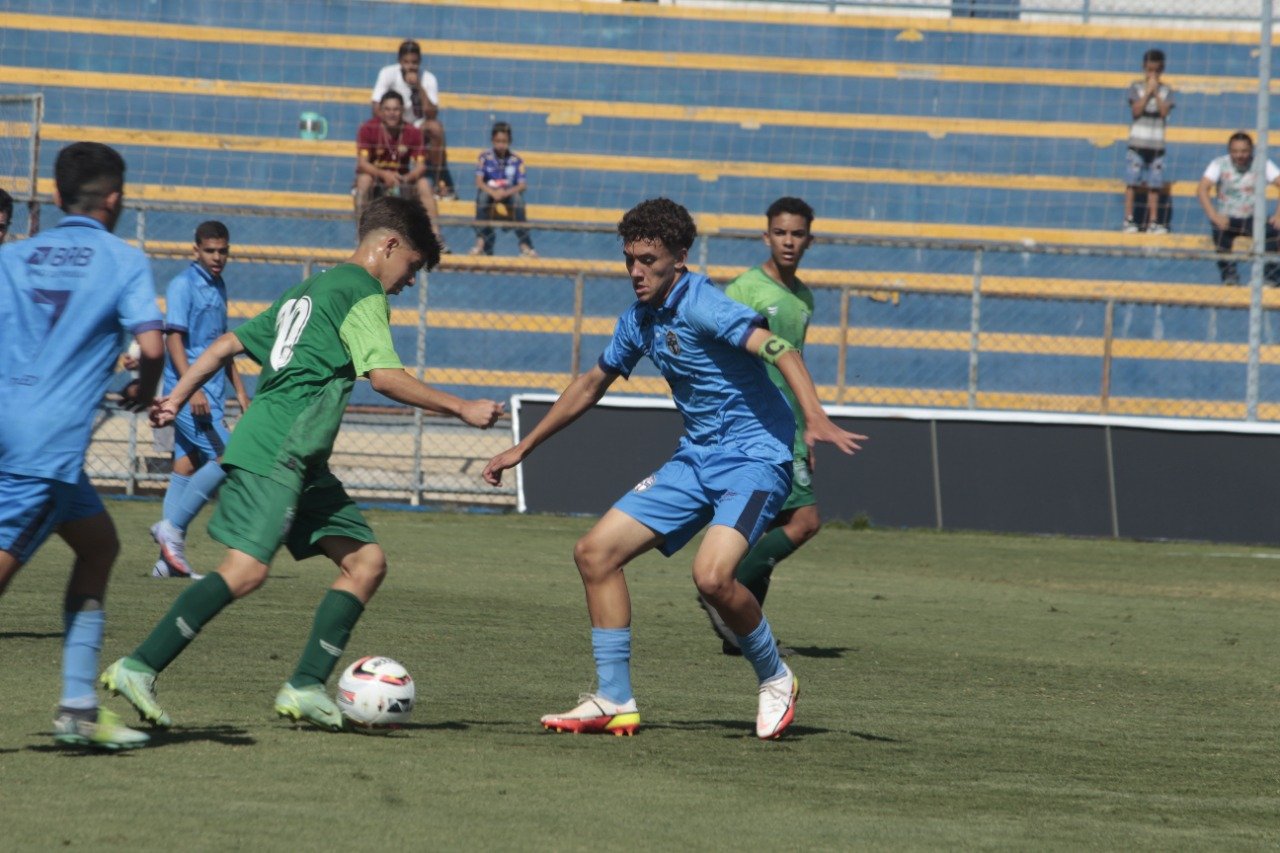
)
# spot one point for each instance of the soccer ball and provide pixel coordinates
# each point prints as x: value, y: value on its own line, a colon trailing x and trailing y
x: 375, y: 694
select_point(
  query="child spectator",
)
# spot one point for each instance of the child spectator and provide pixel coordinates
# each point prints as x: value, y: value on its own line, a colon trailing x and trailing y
x: 1150, y: 102
x: 500, y: 181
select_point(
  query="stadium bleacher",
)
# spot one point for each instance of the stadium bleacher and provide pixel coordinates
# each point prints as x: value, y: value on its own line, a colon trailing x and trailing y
x: 892, y: 127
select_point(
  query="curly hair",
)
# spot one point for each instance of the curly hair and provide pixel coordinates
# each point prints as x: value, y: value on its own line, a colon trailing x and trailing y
x: 660, y: 220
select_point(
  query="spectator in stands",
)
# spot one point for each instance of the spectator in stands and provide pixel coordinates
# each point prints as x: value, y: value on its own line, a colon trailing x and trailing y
x: 1150, y: 102
x: 1234, y: 176
x: 6, y: 214
x: 500, y: 181
x: 390, y: 160
x: 421, y: 94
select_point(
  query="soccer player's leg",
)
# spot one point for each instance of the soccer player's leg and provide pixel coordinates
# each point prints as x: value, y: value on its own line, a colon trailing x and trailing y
x: 250, y: 520
x: 328, y: 522
x: 28, y: 514
x: 750, y: 494
x: 197, y: 474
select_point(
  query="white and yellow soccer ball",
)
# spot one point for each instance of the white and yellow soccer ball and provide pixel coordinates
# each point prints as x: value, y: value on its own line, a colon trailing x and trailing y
x: 376, y: 695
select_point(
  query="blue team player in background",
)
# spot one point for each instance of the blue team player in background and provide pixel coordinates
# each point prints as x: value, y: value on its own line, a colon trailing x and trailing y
x: 732, y: 470
x: 195, y: 317
x: 66, y: 296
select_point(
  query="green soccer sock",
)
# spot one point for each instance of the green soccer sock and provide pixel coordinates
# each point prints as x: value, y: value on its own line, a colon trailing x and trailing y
x: 756, y: 568
x: 335, y: 618
x: 190, y: 612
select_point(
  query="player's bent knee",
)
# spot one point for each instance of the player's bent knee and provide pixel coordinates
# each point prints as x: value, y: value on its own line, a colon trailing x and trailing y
x: 367, y: 568
x: 713, y: 585
x: 592, y: 559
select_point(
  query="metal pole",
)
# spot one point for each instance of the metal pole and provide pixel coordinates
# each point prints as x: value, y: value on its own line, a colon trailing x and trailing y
x: 415, y: 495
x: 842, y: 356
x: 131, y: 483
x: 1108, y: 336
x: 575, y: 357
x: 975, y: 328
x: 1259, y: 215
x: 33, y: 203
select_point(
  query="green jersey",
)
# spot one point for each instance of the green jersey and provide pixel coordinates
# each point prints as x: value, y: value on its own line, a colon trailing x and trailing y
x: 312, y: 343
x: 787, y: 312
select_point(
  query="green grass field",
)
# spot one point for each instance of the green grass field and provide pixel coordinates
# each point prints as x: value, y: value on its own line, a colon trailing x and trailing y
x: 967, y: 691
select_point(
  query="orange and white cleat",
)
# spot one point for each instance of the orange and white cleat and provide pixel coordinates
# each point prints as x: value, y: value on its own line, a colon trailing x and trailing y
x: 777, y: 704
x: 596, y: 715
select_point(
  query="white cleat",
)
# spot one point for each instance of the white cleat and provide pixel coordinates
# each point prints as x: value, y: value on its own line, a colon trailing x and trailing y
x: 777, y: 704
x: 596, y: 715
x: 173, y: 553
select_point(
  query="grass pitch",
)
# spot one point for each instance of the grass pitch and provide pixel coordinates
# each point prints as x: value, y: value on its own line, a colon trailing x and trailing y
x: 966, y: 691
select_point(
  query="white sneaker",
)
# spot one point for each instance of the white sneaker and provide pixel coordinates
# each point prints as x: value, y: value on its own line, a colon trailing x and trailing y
x: 596, y: 715
x: 173, y: 552
x: 1158, y: 229
x: 777, y: 704
x: 1129, y: 227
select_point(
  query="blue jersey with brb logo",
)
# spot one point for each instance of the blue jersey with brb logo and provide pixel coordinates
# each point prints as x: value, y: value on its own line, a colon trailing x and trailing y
x: 722, y: 391
x: 66, y: 295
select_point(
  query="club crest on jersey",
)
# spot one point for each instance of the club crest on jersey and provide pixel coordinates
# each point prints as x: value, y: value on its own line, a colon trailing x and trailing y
x: 645, y: 483
x: 673, y: 343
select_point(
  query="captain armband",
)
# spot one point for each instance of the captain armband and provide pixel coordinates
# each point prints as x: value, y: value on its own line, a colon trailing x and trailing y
x: 774, y: 349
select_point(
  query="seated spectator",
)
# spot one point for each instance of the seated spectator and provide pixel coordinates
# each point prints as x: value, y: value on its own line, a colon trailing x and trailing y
x: 390, y: 160
x: 421, y: 95
x: 1234, y: 176
x: 6, y: 214
x: 500, y: 182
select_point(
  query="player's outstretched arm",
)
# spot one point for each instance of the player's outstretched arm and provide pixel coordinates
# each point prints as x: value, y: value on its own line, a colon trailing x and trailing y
x: 582, y: 393
x: 138, y: 394
x: 818, y: 427
x: 165, y: 409
x: 396, y: 383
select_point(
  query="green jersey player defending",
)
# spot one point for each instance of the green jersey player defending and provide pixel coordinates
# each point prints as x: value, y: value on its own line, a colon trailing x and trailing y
x: 312, y: 344
x: 778, y: 295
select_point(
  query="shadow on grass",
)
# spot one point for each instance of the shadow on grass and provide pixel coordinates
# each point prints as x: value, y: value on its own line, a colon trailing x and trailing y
x: 30, y: 635
x: 747, y: 729
x: 820, y: 651
x: 225, y: 735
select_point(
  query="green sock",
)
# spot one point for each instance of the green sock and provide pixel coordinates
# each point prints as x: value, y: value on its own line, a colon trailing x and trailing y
x: 335, y: 617
x: 756, y: 568
x: 190, y: 612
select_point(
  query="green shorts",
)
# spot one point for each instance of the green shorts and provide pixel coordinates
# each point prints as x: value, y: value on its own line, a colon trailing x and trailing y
x: 257, y: 515
x: 801, y: 484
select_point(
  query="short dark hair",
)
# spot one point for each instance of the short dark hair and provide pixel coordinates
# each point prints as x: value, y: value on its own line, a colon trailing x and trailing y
x: 408, y: 47
x: 659, y: 219
x: 790, y: 204
x: 1240, y: 136
x: 85, y: 174
x: 391, y: 95
x: 6, y: 204
x: 1153, y: 55
x: 500, y: 127
x: 211, y: 230
x: 406, y: 217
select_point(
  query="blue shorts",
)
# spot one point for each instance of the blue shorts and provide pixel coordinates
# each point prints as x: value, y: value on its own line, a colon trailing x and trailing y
x: 708, y: 485
x: 31, y: 507
x: 1144, y: 169
x: 205, y: 437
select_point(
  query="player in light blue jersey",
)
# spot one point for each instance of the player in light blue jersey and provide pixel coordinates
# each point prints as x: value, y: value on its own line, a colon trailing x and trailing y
x: 196, y: 316
x: 732, y: 469
x: 65, y: 297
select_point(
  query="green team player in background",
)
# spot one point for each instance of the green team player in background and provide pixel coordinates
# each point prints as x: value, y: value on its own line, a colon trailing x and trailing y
x: 777, y: 294
x: 312, y: 344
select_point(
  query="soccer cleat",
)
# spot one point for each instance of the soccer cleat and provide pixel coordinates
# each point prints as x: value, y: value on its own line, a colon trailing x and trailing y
x: 309, y: 704
x: 95, y: 727
x: 596, y: 715
x: 729, y: 640
x: 138, y: 686
x: 173, y: 553
x: 777, y: 704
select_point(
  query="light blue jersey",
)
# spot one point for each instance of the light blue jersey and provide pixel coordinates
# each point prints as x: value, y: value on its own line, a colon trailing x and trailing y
x: 65, y: 297
x: 722, y: 391
x: 196, y: 306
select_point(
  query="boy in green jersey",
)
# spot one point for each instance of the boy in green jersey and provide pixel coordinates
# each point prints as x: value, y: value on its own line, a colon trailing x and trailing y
x: 312, y: 343
x: 776, y: 293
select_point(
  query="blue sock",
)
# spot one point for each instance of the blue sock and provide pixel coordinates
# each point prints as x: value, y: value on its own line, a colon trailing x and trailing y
x: 80, y: 647
x: 177, y: 485
x: 197, y: 493
x: 612, y: 649
x: 761, y: 649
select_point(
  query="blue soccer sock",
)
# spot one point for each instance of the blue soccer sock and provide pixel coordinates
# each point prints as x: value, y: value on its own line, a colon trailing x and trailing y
x: 612, y: 650
x: 173, y: 494
x: 81, y: 645
x: 201, y: 487
x: 761, y: 649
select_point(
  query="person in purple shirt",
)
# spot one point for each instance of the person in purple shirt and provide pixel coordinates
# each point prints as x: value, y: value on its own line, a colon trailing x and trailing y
x: 731, y: 472
x: 66, y: 298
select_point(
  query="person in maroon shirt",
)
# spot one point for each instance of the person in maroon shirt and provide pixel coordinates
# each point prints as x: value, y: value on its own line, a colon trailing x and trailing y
x: 391, y: 160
